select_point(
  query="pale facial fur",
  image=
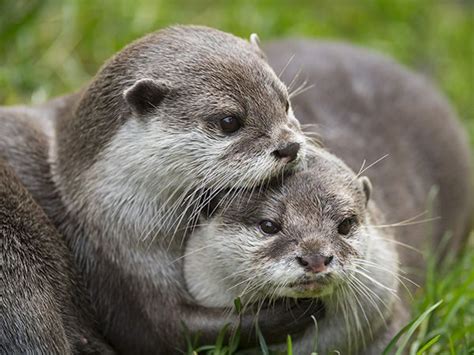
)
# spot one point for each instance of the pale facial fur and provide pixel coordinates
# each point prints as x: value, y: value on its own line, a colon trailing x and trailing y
x: 229, y: 256
x: 172, y: 147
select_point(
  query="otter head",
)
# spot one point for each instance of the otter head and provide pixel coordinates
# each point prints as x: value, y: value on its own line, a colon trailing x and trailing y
x: 309, y: 236
x: 183, y: 109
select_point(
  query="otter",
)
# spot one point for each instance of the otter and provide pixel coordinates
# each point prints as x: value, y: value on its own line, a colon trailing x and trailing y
x: 324, y: 233
x: 45, y: 308
x: 365, y: 107
x: 314, y: 235
x: 123, y: 167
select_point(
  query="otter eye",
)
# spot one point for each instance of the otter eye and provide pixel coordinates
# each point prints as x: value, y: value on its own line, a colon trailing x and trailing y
x: 230, y: 124
x: 287, y: 107
x: 269, y: 227
x: 346, y: 225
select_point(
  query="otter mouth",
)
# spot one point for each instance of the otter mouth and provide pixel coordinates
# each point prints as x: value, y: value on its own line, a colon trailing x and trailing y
x: 311, y: 285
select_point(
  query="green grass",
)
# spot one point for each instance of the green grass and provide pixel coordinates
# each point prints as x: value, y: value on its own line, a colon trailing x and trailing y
x: 52, y: 47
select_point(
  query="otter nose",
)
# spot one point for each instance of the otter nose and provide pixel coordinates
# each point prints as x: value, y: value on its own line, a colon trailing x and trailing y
x: 290, y: 152
x: 314, y: 262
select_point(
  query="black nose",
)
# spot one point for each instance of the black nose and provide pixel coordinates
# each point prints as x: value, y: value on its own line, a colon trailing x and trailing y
x: 290, y: 152
x: 314, y: 262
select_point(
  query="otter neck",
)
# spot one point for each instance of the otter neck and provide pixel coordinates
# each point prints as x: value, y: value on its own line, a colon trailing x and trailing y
x: 126, y: 196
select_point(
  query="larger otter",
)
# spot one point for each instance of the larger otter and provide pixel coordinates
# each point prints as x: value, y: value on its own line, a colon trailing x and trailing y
x: 313, y: 235
x: 44, y: 306
x: 124, y: 165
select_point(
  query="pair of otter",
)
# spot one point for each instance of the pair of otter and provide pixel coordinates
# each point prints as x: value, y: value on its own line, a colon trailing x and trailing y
x: 191, y: 123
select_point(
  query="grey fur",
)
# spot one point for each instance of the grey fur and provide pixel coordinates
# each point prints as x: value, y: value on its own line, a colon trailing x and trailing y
x: 103, y: 164
x: 231, y: 257
x: 44, y: 306
x: 362, y: 107
x: 365, y: 106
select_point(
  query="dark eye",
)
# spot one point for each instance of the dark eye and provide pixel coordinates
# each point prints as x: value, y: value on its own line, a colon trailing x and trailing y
x: 346, y: 225
x: 287, y: 107
x: 230, y: 124
x: 269, y: 227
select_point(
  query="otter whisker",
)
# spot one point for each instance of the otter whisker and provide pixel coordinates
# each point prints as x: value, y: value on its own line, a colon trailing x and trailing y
x: 397, y: 276
x: 360, y: 287
x: 369, y: 289
x: 301, y: 89
x: 238, y: 272
x: 152, y: 225
x: 370, y: 166
x: 392, y: 291
x: 195, y: 251
x: 317, y: 125
x: 392, y: 272
x: 403, y: 224
x: 355, y: 315
x: 244, y: 281
x: 355, y: 295
x: 170, y: 210
x: 391, y: 240
x: 361, y: 168
x: 343, y: 301
x: 292, y: 82
x: 290, y: 59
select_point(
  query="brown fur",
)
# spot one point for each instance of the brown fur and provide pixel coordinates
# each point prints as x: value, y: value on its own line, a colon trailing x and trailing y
x: 137, y: 288
x: 44, y: 305
x: 364, y: 106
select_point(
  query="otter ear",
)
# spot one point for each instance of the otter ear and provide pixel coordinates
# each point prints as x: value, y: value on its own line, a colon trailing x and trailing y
x: 366, y: 186
x: 255, y: 42
x: 145, y: 95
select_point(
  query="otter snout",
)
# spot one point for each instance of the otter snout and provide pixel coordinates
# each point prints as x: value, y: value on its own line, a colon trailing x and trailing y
x: 289, y: 152
x: 315, y: 263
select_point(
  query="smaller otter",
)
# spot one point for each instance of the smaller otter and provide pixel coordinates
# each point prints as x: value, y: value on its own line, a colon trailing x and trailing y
x: 313, y: 236
x: 44, y: 306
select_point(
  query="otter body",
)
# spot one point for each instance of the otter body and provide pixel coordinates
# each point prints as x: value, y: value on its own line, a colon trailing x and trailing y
x: 384, y: 122
x: 96, y: 163
x: 123, y: 167
x: 45, y: 308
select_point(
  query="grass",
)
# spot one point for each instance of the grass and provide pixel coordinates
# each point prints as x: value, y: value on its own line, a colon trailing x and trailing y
x: 52, y: 47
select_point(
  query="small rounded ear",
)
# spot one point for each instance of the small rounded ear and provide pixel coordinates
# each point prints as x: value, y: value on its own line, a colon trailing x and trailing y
x: 255, y: 42
x: 145, y: 95
x: 366, y: 186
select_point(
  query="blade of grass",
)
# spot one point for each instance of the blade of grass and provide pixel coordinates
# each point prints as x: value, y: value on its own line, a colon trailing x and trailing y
x: 289, y: 345
x: 261, y: 341
x: 220, y: 338
x: 428, y: 344
x: 407, y: 331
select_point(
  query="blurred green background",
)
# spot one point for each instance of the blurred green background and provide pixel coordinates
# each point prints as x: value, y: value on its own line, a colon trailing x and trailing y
x: 50, y: 47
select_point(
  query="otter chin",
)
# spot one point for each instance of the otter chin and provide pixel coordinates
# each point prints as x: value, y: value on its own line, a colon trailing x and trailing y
x: 309, y: 287
x: 313, y: 236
